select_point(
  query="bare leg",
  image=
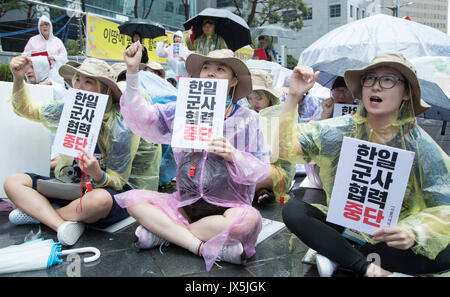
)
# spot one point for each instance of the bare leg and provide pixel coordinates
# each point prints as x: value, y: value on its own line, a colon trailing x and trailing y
x: 18, y: 188
x: 95, y: 206
x: 208, y: 227
x: 157, y: 222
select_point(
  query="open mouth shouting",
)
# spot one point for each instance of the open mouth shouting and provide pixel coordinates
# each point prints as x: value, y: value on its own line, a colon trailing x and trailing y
x: 375, y: 100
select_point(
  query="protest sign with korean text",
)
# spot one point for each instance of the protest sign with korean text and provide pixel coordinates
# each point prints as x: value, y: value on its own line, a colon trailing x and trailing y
x: 80, y: 122
x: 369, y: 186
x: 343, y: 109
x: 200, y: 110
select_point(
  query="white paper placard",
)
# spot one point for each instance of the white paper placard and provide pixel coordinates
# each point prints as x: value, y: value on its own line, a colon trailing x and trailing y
x: 80, y: 122
x: 26, y: 144
x: 343, y: 109
x: 199, y: 114
x: 369, y: 186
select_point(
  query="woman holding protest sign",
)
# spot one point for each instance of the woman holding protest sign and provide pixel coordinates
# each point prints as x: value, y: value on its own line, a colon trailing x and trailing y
x: 119, y: 162
x: 211, y: 213
x: 390, y: 99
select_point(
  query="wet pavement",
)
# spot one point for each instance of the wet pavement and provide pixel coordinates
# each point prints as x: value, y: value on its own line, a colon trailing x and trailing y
x: 119, y: 257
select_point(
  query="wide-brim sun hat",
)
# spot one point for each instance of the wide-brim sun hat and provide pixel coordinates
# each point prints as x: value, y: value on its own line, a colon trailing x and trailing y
x: 119, y: 68
x: 153, y: 65
x: 194, y: 65
x: 96, y: 69
x: 398, y: 62
x: 263, y: 81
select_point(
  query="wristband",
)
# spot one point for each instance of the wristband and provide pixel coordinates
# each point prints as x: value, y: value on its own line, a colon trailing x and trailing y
x: 103, y: 182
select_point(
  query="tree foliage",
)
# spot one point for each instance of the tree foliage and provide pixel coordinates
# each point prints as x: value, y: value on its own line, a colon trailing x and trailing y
x: 288, y: 13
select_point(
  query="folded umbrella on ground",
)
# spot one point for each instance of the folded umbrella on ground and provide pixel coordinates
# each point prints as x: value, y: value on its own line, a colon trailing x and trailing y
x: 38, y: 254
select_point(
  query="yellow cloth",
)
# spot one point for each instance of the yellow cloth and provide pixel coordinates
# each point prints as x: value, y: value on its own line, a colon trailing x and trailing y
x: 426, y: 204
x: 128, y: 158
x: 203, y: 45
x: 282, y: 171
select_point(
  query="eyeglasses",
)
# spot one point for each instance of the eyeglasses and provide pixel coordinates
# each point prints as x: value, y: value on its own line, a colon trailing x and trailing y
x: 385, y: 81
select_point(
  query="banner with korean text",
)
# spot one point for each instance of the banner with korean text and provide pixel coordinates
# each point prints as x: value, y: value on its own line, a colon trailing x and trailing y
x: 80, y: 122
x: 369, y: 187
x: 199, y: 114
x: 104, y: 41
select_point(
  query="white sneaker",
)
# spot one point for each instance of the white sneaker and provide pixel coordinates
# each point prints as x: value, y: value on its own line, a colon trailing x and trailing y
x: 310, y: 257
x: 69, y: 232
x: 18, y: 217
x: 232, y: 254
x: 146, y: 239
x: 325, y: 266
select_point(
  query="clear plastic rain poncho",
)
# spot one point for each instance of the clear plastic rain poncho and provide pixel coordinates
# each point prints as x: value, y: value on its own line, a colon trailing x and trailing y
x: 42, y: 73
x: 53, y: 46
x: 128, y: 158
x: 216, y: 181
x: 282, y: 170
x: 426, y: 205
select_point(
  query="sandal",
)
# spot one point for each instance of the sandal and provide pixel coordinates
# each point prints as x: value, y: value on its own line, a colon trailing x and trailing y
x: 264, y: 197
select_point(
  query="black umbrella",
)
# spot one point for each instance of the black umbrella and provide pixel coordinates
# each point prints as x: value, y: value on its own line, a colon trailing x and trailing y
x: 233, y: 29
x: 146, y: 28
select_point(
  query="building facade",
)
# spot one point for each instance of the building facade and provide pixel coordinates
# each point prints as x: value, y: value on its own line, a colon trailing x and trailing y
x: 324, y: 16
x: 433, y: 13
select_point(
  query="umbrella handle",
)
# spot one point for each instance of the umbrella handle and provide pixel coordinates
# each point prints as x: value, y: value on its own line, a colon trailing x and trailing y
x: 83, y: 250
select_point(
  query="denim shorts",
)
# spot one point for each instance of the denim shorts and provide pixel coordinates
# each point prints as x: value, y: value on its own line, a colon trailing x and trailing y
x: 116, y: 213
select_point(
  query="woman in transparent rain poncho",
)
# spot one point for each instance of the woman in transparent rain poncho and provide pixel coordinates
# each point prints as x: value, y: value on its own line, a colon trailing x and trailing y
x: 211, y: 213
x: 45, y: 41
x: 390, y: 99
x: 122, y: 159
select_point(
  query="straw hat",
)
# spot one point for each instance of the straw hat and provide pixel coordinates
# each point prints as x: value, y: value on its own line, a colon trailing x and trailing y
x: 119, y: 68
x: 96, y: 69
x: 194, y: 64
x: 398, y: 62
x: 155, y: 66
x: 262, y: 81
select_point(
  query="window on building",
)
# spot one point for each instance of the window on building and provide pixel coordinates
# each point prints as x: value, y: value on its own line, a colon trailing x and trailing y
x: 357, y: 13
x: 308, y: 15
x: 180, y: 9
x: 169, y: 6
x: 363, y: 13
x: 288, y: 14
x: 335, y: 11
x: 351, y: 11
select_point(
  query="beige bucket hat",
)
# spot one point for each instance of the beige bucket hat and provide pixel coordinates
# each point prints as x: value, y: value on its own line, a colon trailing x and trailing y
x: 155, y: 66
x: 119, y: 68
x: 194, y: 64
x: 262, y: 81
x: 96, y: 69
x: 400, y: 63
